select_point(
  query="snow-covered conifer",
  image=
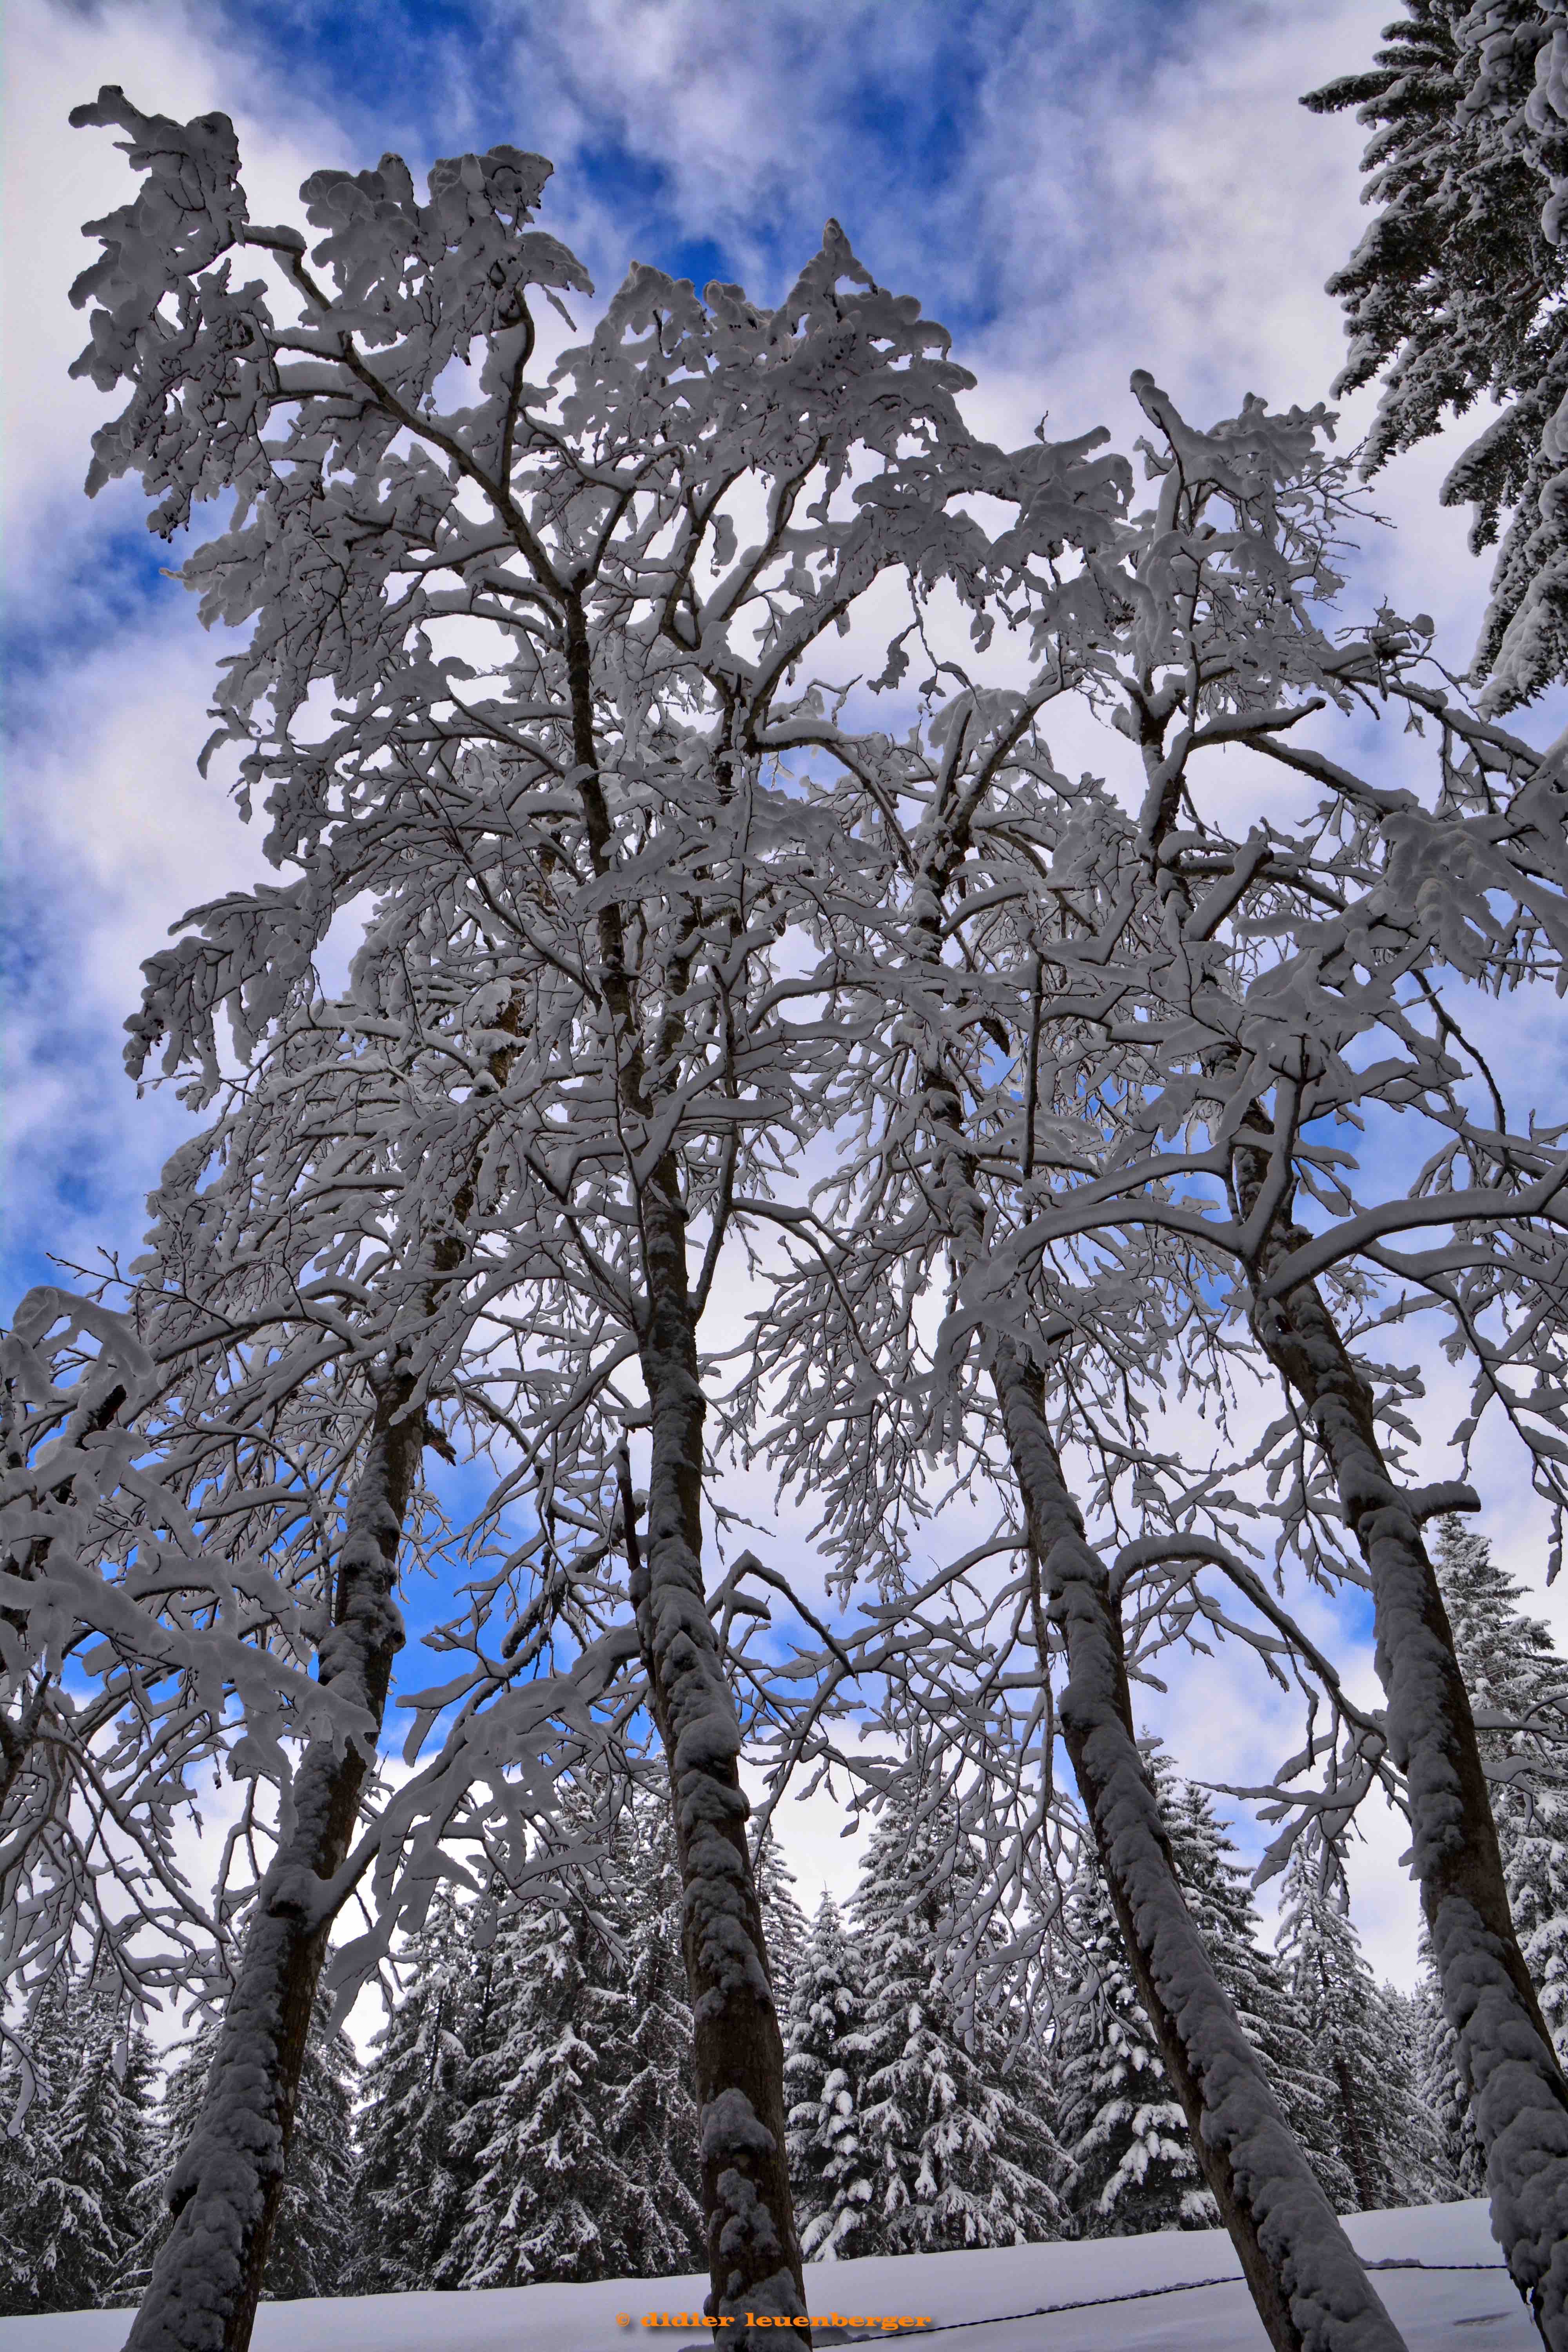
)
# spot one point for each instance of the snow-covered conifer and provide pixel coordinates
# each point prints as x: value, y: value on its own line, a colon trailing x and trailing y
x: 310, y: 2247
x: 1361, y: 2038
x: 1134, y: 2169
x: 823, y: 2083
x: 1519, y: 1688
x: 1123, y: 2127
x: 783, y: 1921
x: 954, y: 2123
x: 654, y: 2116
x: 409, y: 2189
x: 1459, y: 2168
x: 555, y: 2135
x: 1454, y: 294
x: 72, y: 2177
x: 1218, y: 1894
x: 311, y: 2241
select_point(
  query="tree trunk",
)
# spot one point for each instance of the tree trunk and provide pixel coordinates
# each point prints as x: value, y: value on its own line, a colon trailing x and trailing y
x: 224, y: 2193
x: 1354, y: 2140
x: 1307, y: 2280
x: 1519, y: 2094
x: 753, y: 2253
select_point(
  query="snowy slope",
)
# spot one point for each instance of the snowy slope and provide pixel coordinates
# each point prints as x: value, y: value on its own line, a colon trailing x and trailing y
x: 1447, y: 2309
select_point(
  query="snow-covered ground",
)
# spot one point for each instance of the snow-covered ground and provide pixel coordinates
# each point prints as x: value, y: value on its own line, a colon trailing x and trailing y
x: 1007, y: 2290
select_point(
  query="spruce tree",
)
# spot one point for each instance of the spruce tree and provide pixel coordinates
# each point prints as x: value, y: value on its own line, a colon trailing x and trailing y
x: 410, y: 2192
x: 71, y: 2176
x: 1134, y: 2169
x: 311, y: 2243
x: 654, y: 2118
x: 1454, y: 294
x: 783, y: 1921
x: 33, y: 2087
x: 557, y: 2131
x: 1124, y: 2129
x: 823, y: 2086
x: 1519, y: 1688
x: 1360, y: 2037
x: 1218, y: 1894
x: 954, y: 2127
x: 1461, y: 2169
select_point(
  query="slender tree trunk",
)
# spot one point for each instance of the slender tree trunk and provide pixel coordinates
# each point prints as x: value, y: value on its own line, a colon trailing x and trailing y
x: 1310, y: 2285
x: 753, y: 2253
x: 1355, y: 2142
x: 1307, y: 2280
x: 1519, y: 2094
x: 224, y: 2190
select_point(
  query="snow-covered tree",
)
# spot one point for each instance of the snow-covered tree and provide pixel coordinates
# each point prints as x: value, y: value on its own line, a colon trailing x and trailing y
x: 1010, y: 1101
x: 655, y: 2112
x: 508, y: 1165
x: 783, y: 1921
x: 410, y: 2187
x: 824, y: 2081
x: 1134, y: 2166
x: 1218, y: 1893
x: 1124, y: 2130
x: 72, y: 2176
x: 1360, y: 2037
x: 132, y: 1651
x: 1519, y: 1688
x: 313, y: 2243
x: 550, y: 2200
x: 561, y: 686
x: 578, y: 2136
x: 1455, y: 293
x: 954, y: 2124
x: 1460, y: 2164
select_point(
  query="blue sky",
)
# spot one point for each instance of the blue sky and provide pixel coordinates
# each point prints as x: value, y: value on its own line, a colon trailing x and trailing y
x: 1076, y: 187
